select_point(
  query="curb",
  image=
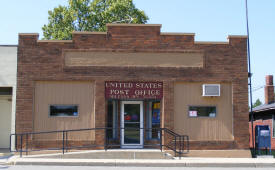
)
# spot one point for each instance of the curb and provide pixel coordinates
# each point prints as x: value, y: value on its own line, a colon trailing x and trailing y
x: 141, y: 163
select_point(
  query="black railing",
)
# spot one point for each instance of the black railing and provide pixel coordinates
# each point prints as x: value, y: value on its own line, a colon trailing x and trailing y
x: 59, y: 140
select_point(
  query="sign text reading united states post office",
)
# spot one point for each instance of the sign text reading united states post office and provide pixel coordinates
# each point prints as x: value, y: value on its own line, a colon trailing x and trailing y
x: 133, y: 90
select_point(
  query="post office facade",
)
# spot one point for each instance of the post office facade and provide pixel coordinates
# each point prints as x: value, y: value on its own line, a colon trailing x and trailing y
x: 129, y: 82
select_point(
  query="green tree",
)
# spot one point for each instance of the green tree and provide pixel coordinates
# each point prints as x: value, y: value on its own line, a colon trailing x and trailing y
x: 87, y: 15
x: 257, y: 103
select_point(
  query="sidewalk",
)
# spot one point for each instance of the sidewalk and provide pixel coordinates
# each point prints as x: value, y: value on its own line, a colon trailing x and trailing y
x: 183, y: 162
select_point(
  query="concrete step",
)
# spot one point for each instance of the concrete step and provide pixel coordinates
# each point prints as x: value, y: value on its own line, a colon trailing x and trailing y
x: 109, y: 154
x: 5, y: 153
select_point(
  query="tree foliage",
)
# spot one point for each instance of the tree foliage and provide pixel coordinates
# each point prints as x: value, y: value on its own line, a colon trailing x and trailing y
x: 87, y: 15
x: 257, y: 103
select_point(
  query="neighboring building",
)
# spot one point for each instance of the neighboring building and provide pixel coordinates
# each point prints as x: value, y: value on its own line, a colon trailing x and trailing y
x: 134, y: 76
x: 8, y: 65
x: 265, y: 114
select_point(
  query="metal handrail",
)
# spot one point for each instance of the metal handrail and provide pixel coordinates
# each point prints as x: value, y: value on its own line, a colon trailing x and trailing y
x: 179, y: 143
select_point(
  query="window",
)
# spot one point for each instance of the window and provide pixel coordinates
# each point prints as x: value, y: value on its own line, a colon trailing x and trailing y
x: 5, y: 90
x: 112, y: 119
x: 202, y: 111
x: 63, y: 110
x: 153, y: 120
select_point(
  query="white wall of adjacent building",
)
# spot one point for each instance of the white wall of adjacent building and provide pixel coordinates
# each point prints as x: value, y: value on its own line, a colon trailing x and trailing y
x: 8, y: 70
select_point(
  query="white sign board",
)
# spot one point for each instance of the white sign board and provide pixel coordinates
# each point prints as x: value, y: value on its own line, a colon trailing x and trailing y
x: 193, y: 113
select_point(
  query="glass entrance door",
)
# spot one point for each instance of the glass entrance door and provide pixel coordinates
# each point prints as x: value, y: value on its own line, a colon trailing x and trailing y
x: 131, y: 124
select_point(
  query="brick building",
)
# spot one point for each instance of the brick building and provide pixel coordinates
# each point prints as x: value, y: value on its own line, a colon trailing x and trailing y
x: 134, y: 76
x: 265, y: 114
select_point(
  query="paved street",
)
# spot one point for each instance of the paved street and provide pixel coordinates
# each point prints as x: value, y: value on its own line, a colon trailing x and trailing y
x: 19, y: 167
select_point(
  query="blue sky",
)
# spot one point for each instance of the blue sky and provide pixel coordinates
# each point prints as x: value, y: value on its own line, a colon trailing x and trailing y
x: 211, y: 20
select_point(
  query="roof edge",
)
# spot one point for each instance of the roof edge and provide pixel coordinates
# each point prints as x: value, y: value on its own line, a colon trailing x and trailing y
x: 132, y: 25
x: 88, y: 32
x: 236, y: 36
x: 6, y: 45
x: 55, y: 41
x: 28, y: 33
x: 176, y: 33
x: 212, y: 42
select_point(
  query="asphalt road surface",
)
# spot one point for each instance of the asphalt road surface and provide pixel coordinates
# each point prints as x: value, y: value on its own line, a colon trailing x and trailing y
x: 20, y: 167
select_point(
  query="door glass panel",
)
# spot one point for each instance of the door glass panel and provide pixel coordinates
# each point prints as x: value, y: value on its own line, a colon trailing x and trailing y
x: 131, y: 133
x: 131, y: 123
x: 131, y: 113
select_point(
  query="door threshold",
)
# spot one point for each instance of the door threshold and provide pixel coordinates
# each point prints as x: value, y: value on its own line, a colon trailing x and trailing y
x: 131, y: 147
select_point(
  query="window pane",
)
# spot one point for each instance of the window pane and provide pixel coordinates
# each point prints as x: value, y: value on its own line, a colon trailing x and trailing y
x: 5, y: 90
x: 112, y: 120
x: 155, y: 119
x: 202, y: 111
x: 273, y: 125
x: 63, y: 110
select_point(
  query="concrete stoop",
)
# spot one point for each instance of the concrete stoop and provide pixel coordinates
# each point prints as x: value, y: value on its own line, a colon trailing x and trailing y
x: 138, y: 154
x: 5, y: 152
x: 219, y: 153
x: 4, y: 155
x: 110, y: 154
x: 143, y: 158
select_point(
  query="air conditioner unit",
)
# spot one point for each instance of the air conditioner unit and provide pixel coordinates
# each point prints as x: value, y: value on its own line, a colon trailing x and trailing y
x: 211, y: 90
